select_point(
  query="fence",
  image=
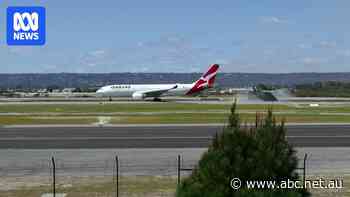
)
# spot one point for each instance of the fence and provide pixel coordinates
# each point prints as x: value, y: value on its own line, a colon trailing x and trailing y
x: 180, y: 168
x: 112, y: 178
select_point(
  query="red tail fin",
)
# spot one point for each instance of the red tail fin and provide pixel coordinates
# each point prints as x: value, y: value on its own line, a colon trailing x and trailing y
x: 211, y: 74
x: 206, y: 81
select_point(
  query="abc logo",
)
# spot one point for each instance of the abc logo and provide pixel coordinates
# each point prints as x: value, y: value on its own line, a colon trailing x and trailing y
x: 33, y: 21
x: 25, y: 25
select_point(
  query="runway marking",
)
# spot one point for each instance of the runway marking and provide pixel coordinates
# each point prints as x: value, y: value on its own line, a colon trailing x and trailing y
x: 320, y: 136
x: 157, y: 125
x: 101, y: 138
x: 145, y: 138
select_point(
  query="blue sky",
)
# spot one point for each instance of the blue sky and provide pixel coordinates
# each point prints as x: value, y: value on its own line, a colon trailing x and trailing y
x: 185, y: 36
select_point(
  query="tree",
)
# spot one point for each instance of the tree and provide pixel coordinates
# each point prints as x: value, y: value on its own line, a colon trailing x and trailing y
x: 50, y: 88
x: 260, y: 152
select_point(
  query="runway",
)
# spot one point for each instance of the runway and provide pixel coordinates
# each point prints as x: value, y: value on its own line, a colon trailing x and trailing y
x: 154, y: 136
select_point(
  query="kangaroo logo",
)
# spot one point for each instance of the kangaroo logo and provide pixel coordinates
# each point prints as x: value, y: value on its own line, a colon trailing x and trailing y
x: 206, y: 80
x: 26, y: 25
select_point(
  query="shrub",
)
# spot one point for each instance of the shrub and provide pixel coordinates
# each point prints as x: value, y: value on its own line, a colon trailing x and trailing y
x: 258, y: 152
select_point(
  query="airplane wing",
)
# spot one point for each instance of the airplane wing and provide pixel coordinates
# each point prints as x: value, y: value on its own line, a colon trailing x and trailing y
x: 155, y: 92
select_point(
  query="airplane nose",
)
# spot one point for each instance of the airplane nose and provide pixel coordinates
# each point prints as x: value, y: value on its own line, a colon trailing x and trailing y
x: 99, y: 92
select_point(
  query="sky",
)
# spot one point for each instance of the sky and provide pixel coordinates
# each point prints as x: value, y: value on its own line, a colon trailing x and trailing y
x: 269, y: 36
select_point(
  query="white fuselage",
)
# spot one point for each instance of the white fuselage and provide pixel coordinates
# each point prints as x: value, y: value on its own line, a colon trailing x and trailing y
x: 127, y: 90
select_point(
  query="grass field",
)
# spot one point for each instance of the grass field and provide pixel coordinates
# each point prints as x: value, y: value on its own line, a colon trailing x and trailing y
x: 158, y: 107
x: 102, y: 187
x: 164, y: 119
x: 127, y: 107
x: 159, y: 113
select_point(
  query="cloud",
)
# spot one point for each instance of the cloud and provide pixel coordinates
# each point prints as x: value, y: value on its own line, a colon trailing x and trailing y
x: 237, y: 43
x: 50, y: 68
x: 222, y: 61
x: 327, y: 44
x: 312, y: 60
x: 345, y: 53
x: 170, y: 53
x: 95, y: 58
x: 91, y: 64
x: 140, y: 44
x: 97, y: 53
x: 22, y: 51
x: 304, y: 46
x: 321, y: 44
x: 268, y: 52
x: 167, y: 53
x: 272, y: 20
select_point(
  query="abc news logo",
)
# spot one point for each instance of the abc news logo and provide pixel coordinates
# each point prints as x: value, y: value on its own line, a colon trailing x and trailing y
x: 32, y: 25
x: 25, y: 25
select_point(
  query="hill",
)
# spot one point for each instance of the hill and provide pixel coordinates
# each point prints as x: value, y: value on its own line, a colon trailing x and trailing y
x: 223, y: 79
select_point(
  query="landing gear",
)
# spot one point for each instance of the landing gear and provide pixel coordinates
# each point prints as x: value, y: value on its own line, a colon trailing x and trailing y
x: 110, y: 98
x: 156, y: 99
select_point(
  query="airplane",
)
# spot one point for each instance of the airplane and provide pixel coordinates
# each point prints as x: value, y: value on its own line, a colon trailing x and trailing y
x: 142, y: 91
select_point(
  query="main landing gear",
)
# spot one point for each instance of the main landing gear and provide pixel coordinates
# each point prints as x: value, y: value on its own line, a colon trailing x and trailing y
x: 156, y: 99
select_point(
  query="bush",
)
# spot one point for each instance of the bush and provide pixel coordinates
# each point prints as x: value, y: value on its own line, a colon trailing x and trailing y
x: 260, y: 152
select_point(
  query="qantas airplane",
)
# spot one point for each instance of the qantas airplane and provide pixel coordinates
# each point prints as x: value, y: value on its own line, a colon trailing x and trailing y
x: 142, y: 91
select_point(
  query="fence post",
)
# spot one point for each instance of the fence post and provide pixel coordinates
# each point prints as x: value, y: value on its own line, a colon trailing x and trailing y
x: 304, y: 173
x: 178, y: 169
x: 53, y: 177
x: 117, y: 173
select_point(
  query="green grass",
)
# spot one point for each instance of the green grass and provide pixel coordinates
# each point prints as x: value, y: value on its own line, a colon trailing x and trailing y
x: 185, y: 113
x: 160, y: 107
x: 127, y: 107
x: 165, y: 119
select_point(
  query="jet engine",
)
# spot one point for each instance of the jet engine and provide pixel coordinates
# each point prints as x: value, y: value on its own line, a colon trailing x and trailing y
x: 138, y: 96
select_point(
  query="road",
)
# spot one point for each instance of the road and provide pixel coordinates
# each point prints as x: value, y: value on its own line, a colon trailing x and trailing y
x: 154, y: 136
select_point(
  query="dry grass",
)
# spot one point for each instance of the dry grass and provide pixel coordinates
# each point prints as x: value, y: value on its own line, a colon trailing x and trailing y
x: 100, y: 187
x: 137, y: 186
